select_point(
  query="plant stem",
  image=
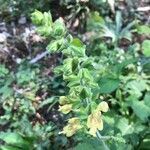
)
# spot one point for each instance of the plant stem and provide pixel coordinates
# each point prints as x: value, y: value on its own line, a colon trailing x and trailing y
x: 102, y: 140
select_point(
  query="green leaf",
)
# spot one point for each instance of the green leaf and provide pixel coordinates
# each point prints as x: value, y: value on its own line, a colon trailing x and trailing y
x: 109, y: 33
x: 87, y: 75
x: 126, y: 31
x: 44, y: 30
x: 74, y: 80
x: 48, y: 101
x: 77, y: 48
x: 96, y: 17
x: 143, y: 29
x: 11, y: 138
x: 47, y: 19
x: 37, y: 17
x: 147, y: 99
x: 3, y: 71
x: 86, y: 92
x: 118, y: 68
x: 140, y: 109
x: 146, y: 66
x: 6, y: 91
x: 108, y: 85
x: 54, y: 45
x: 118, y: 22
x: 135, y: 87
x: 58, y: 28
x: 94, y: 21
x: 14, y: 139
x: 124, y: 126
x: 146, y: 48
x: 120, y: 146
x: 6, y: 147
x: 84, y: 146
x: 90, y: 144
x: 67, y: 66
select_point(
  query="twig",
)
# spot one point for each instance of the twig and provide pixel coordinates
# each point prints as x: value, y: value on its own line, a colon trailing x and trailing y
x: 147, y: 8
x: 38, y: 57
x: 102, y: 140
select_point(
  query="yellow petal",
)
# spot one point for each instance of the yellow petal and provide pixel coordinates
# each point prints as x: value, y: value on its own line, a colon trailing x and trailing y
x: 66, y: 108
x: 68, y: 131
x: 75, y: 123
x: 72, y: 127
x: 93, y: 131
x: 74, y: 120
x: 93, y: 119
x: 103, y: 106
x: 94, y: 122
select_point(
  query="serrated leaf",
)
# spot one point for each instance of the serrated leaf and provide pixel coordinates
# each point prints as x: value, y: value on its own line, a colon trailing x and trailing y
x: 37, y: 17
x: 54, y: 46
x: 77, y: 48
x: 47, y: 19
x: 58, y: 28
x: 67, y: 66
x: 44, y: 30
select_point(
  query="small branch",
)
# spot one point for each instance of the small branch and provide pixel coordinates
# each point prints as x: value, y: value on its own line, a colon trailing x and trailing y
x: 106, y: 138
x: 147, y: 8
x: 102, y: 140
x: 38, y: 57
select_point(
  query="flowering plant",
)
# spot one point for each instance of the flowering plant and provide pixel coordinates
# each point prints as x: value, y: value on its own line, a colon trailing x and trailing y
x: 81, y: 75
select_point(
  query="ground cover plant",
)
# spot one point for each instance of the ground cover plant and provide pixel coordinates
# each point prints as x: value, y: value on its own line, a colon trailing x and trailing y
x: 89, y: 89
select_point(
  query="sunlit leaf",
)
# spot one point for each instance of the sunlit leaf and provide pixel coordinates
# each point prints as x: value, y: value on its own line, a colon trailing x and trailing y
x: 146, y: 48
x: 108, y: 85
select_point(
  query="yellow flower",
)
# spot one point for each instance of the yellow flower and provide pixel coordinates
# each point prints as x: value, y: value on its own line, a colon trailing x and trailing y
x: 63, y: 100
x: 68, y: 131
x: 95, y: 122
x: 65, y: 108
x: 72, y: 127
x: 103, y: 106
x: 74, y: 120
